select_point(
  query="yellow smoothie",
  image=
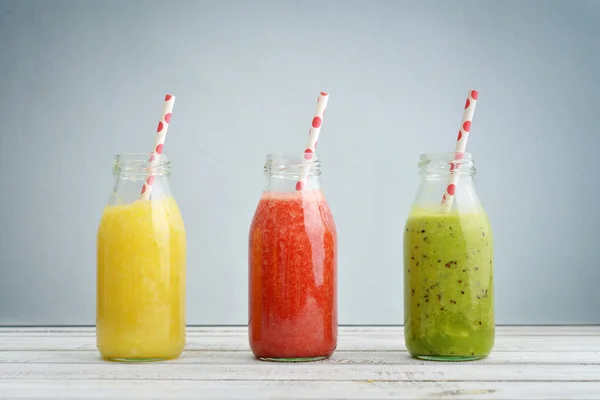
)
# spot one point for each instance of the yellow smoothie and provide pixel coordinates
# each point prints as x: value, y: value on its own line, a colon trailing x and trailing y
x: 141, y: 251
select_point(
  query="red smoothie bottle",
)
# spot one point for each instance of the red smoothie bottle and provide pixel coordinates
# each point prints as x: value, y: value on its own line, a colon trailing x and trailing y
x: 292, y: 261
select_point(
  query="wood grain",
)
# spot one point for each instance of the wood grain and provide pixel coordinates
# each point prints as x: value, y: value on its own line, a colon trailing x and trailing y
x: 157, y: 389
x: 527, y: 363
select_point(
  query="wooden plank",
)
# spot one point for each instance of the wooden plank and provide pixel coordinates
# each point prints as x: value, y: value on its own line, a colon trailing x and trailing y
x: 305, y: 372
x: 561, y: 330
x: 347, y: 357
x: 371, y: 362
x: 160, y: 389
x: 374, y: 342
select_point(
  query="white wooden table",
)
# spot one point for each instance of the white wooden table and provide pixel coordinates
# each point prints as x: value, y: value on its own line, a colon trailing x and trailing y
x: 370, y: 363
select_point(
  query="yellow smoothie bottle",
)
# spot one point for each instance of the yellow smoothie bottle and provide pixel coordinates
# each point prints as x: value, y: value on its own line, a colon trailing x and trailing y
x: 141, y: 256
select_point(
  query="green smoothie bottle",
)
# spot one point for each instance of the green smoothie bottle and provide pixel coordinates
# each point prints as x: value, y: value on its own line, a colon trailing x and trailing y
x: 448, y: 267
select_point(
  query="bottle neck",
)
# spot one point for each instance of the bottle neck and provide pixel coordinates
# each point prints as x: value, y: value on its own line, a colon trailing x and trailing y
x: 434, y: 178
x: 437, y: 171
x: 290, y: 172
x: 133, y: 171
x: 432, y: 189
x: 288, y: 185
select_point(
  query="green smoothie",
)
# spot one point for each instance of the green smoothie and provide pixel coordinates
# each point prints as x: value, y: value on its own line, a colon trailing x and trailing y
x: 448, y: 285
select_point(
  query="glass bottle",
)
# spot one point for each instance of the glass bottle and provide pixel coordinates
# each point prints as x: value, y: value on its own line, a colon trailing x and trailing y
x: 292, y: 265
x: 448, y: 267
x: 141, y: 256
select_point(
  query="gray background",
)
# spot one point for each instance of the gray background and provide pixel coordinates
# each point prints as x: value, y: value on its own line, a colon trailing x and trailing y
x: 83, y: 80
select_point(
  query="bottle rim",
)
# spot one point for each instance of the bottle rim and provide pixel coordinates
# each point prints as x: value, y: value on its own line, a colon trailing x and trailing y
x: 446, y: 163
x: 292, y: 164
x: 138, y: 164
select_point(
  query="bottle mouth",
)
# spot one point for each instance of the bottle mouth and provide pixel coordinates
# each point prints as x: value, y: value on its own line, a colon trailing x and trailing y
x: 141, y: 164
x: 446, y: 163
x: 292, y: 164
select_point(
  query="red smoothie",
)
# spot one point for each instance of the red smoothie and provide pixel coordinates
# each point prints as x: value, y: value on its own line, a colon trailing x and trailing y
x: 292, y: 277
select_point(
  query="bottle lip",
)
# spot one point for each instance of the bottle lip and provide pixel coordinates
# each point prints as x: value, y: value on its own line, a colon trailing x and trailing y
x: 135, y: 156
x: 448, y: 157
x: 138, y: 164
x: 293, y: 156
x: 435, y: 164
x: 292, y: 164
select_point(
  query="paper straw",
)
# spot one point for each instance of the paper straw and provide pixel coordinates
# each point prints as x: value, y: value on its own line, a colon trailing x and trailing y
x: 313, y: 136
x: 459, y: 152
x: 159, y: 142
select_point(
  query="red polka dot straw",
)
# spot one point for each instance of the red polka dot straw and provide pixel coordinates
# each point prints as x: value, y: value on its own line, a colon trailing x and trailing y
x: 159, y: 142
x: 313, y: 135
x: 459, y: 152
